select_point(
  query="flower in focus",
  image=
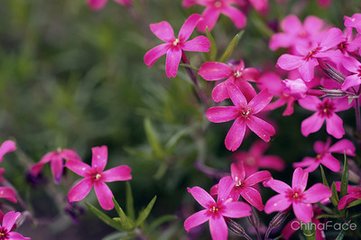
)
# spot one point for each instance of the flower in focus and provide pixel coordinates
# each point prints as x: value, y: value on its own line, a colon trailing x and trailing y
x: 6, y: 147
x: 56, y: 159
x: 173, y: 47
x: 8, y: 225
x: 296, y: 196
x: 255, y: 159
x: 216, y: 211
x: 236, y: 74
x: 99, y: 4
x: 325, y: 110
x: 95, y: 176
x: 244, y: 114
x: 324, y: 155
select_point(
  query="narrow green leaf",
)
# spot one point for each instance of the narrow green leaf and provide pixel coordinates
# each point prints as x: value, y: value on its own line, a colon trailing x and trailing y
x: 161, y: 220
x: 119, y: 236
x: 153, y: 138
x: 324, y: 179
x: 213, y: 51
x: 130, y: 201
x: 328, y: 216
x: 126, y: 223
x: 309, y: 231
x: 341, y: 235
x: 334, y: 196
x: 354, y: 203
x: 145, y: 212
x: 231, y: 46
x: 344, y: 179
x: 105, y: 218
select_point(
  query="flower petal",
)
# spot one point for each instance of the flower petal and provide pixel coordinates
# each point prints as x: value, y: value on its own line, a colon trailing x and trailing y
x: 236, y: 95
x: 253, y: 197
x: 188, y: 27
x: 260, y: 101
x: 277, y: 185
x: 331, y: 162
x: 257, y: 177
x: 236, y: 210
x: 343, y: 146
x: 271, y: 162
x: 222, y: 114
x: 78, y: 167
x: 201, y: 196
x: 237, y: 17
x: 334, y: 126
x: 104, y: 195
x: 172, y: 62
x: 99, y: 157
x: 213, y: 71
x: 9, y: 220
x: 7, y: 147
x: 96, y: 4
x: 209, y: 20
x: 309, y: 103
x: 197, y: 44
x: 235, y: 135
x: 303, y: 212
x: 8, y: 193
x: 163, y: 30
x: 218, y: 228
x: 351, y: 81
x: 299, y: 179
x: 57, y: 166
x: 317, y: 193
x: 155, y: 53
x: 80, y: 190
x: 277, y: 203
x: 289, y: 62
x: 225, y: 187
x: 196, y: 219
x: 220, y: 92
x: 261, y: 128
x: 120, y: 173
x: 311, y: 124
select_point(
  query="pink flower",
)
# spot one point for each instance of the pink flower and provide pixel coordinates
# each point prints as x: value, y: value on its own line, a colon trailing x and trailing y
x: 255, y: 159
x: 236, y: 74
x: 296, y: 196
x: 6, y: 147
x: 307, y: 56
x: 99, y: 4
x: 353, y: 22
x: 214, y: 8
x: 294, y: 33
x: 245, y: 186
x: 173, y: 47
x: 353, y: 194
x: 9, y: 194
x: 56, y: 159
x: 216, y: 211
x: 8, y: 225
x: 95, y: 176
x: 324, y: 155
x: 244, y: 114
x: 325, y: 110
x: 354, y: 79
x: 260, y: 5
x: 296, y: 88
x: 324, y: 3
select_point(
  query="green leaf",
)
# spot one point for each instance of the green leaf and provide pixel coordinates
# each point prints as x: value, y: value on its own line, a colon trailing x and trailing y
x: 354, y: 203
x: 125, y: 222
x: 334, y: 196
x: 153, y: 139
x: 161, y: 220
x: 324, y: 179
x: 344, y: 179
x: 231, y: 46
x: 341, y: 235
x: 213, y: 52
x: 309, y: 231
x: 328, y: 216
x: 119, y: 236
x: 130, y: 201
x: 145, y: 212
x: 105, y: 218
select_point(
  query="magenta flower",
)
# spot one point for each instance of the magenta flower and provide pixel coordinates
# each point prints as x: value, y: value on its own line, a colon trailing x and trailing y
x: 297, y: 88
x: 354, y: 21
x: 99, y: 4
x: 260, y: 5
x: 244, y: 114
x: 214, y: 8
x: 324, y: 155
x: 325, y: 110
x: 173, y: 47
x: 307, y: 56
x: 216, y: 211
x: 255, y: 159
x: 354, y: 79
x: 296, y: 196
x: 236, y: 74
x: 9, y: 194
x: 56, y: 159
x: 95, y: 176
x: 6, y: 147
x: 295, y: 33
x: 353, y: 194
x: 8, y: 225
x: 245, y: 186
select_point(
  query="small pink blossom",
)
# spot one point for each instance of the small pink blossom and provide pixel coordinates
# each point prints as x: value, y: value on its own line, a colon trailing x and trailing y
x: 296, y: 88
x: 325, y: 110
x: 306, y: 58
x: 216, y: 211
x: 236, y: 74
x: 324, y: 156
x: 354, y: 79
x: 173, y: 47
x: 95, y: 176
x: 56, y: 160
x: 99, y: 4
x: 354, y: 21
x: 244, y: 113
x: 353, y: 194
x: 8, y: 225
x: 296, y: 196
x: 6, y: 147
x: 255, y: 159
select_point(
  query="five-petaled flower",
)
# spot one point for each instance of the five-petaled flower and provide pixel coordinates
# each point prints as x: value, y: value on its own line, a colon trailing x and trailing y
x: 244, y: 114
x: 174, y: 47
x: 95, y: 176
x: 216, y: 211
x: 324, y: 155
x: 296, y: 196
x: 8, y: 225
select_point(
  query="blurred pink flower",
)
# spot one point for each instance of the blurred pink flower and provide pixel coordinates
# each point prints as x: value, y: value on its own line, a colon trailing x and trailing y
x: 174, y: 46
x: 296, y: 196
x: 8, y: 225
x: 255, y: 159
x: 354, y: 21
x: 354, y: 67
x: 99, y: 4
x: 216, y: 211
x: 306, y: 58
x: 353, y: 194
x: 8, y: 193
x: 325, y: 110
x: 260, y: 5
x: 324, y: 3
x: 324, y: 156
x: 56, y: 159
x: 244, y: 114
x: 6, y: 147
x: 95, y: 176
x: 236, y: 74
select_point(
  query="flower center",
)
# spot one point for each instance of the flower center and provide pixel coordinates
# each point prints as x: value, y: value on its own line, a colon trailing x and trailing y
x: 319, y: 157
x: 359, y: 72
x: 218, y: 4
x: 343, y: 46
x: 176, y: 42
x: 295, y: 195
x: 4, y: 235
x: 245, y: 112
x: 237, y: 74
x: 250, y: 161
x: 312, y: 53
x: 326, y: 108
x: 97, y: 177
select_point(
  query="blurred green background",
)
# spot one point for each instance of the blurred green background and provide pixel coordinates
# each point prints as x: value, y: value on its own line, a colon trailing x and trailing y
x: 74, y: 78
